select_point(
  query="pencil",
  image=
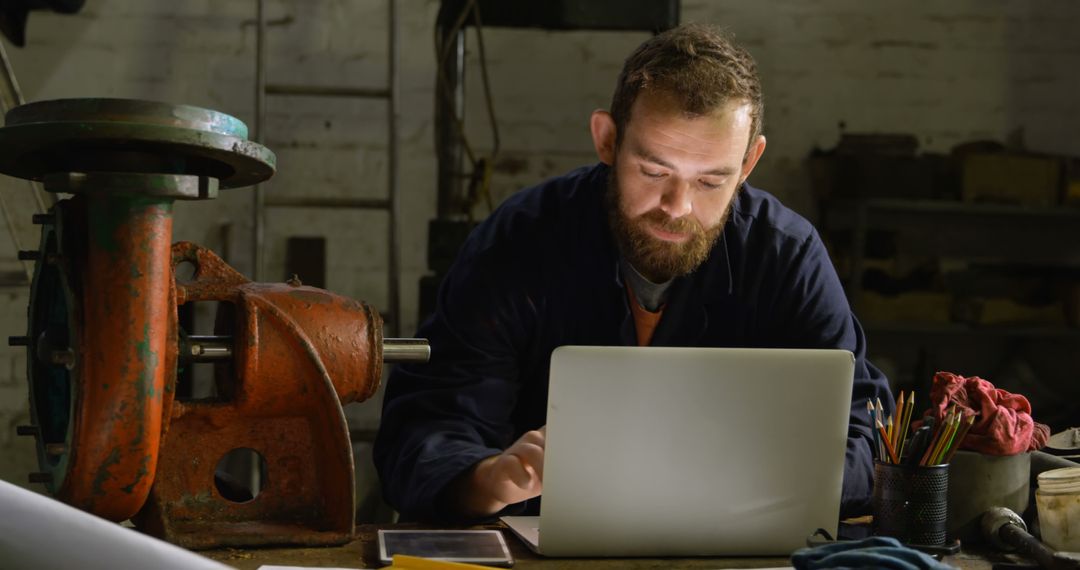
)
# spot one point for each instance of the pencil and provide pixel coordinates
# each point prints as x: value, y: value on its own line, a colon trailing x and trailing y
x: 968, y: 421
x: 935, y: 440
x: 908, y: 410
x: 404, y: 562
x: 877, y: 446
x: 944, y: 437
x: 897, y: 433
x: 880, y: 418
x: 952, y: 437
x: 879, y: 412
x: 888, y: 444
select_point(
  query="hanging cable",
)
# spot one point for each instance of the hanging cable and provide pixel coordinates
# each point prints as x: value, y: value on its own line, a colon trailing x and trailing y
x: 479, y: 186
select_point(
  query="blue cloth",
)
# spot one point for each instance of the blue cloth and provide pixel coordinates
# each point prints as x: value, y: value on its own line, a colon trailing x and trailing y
x: 879, y: 552
x: 542, y: 271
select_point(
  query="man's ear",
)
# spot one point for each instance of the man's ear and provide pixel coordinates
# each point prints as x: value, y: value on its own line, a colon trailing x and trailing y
x: 602, y: 126
x: 753, y: 154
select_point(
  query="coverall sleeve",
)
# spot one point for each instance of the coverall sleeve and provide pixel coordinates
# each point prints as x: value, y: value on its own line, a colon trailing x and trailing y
x: 442, y: 417
x: 815, y: 313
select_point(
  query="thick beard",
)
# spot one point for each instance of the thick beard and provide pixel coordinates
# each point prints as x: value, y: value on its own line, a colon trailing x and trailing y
x: 657, y: 260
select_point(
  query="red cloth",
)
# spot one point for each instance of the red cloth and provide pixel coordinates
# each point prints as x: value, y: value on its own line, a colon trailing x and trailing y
x: 1003, y: 423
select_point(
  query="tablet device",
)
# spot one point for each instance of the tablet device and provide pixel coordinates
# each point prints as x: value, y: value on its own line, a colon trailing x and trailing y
x: 469, y: 546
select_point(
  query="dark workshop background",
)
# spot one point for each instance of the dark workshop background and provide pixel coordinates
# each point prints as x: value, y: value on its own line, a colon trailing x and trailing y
x: 931, y: 142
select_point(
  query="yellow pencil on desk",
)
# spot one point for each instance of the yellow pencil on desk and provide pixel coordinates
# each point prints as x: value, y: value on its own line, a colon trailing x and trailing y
x: 404, y: 562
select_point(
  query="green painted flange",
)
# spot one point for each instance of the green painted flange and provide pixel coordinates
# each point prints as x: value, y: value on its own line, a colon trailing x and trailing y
x: 130, y: 136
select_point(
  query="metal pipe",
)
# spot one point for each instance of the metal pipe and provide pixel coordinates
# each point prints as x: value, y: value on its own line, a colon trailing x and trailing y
x: 394, y: 253
x: 327, y: 91
x: 12, y: 97
x: 121, y: 360
x: 28, y: 268
x: 396, y: 350
x: 449, y: 107
x: 258, y: 213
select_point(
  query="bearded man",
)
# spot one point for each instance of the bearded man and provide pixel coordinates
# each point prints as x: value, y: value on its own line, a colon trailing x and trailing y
x: 662, y: 243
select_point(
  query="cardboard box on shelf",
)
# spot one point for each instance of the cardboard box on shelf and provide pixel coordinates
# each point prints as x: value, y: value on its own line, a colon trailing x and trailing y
x: 926, y: 307
x: 1030, y: 180
x: 1004, y: 311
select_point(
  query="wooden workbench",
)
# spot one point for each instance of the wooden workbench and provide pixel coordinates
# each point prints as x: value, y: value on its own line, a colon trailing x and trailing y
x: 363, y: 553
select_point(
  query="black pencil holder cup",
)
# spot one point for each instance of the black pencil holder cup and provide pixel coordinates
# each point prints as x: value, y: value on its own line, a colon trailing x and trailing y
x: 910, y: 503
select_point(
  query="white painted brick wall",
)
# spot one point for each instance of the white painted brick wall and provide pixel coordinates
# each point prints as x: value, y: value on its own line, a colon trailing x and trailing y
x: 945, y: 71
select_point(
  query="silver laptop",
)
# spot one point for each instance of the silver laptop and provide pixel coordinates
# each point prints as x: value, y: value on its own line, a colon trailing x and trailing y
x: 655, y: 451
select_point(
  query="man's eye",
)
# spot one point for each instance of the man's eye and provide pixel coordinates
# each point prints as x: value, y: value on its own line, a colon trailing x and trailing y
x: 708, y: 185
x: 652, y: 174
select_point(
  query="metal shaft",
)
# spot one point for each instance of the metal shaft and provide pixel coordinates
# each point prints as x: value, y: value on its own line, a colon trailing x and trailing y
x: 217, y: 348
x: 397, y: 350
x: 206, y: 348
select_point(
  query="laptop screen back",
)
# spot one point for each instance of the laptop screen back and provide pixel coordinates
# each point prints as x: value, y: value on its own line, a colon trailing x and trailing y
x: 655, y: 451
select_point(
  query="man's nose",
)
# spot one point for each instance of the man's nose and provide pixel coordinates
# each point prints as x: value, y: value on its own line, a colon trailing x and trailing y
x: 677, y: 199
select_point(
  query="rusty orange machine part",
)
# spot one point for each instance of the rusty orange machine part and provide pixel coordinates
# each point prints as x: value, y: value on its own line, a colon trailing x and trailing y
x: 123, y: 344
x: 305, y: 353
x: 104, y: 345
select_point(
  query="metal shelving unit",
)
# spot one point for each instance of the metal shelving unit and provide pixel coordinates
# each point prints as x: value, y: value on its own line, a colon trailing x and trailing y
x: 945, y: 228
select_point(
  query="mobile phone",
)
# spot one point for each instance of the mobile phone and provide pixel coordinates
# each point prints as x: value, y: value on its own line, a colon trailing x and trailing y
x: 469, y: 546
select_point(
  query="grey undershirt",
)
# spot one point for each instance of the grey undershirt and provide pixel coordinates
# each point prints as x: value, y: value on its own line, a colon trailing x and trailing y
x: 651, y: 296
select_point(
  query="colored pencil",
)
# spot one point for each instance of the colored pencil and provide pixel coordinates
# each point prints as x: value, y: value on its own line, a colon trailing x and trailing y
x: 877, y: 447
x: 968, y: 421
x: 957, y: 424
x: 880, y: 418
x: 888, y: 444
x: 898, y: 423
x: 949, y: 429
x: 946, y: 439
x: 909, y: 408
x: 935, y: 441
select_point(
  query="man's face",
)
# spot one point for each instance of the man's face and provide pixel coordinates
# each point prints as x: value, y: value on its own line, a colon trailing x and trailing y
x: 673, y: 181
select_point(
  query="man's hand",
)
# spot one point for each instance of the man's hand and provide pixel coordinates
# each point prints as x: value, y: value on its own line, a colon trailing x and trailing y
x: 514, y: 475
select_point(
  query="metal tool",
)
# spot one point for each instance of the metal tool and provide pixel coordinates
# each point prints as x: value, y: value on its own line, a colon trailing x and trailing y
x: 1006, y: 530
x: 104, y: 344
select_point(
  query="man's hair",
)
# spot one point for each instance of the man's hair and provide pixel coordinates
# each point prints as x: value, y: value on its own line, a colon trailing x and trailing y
x: 699, y: 65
